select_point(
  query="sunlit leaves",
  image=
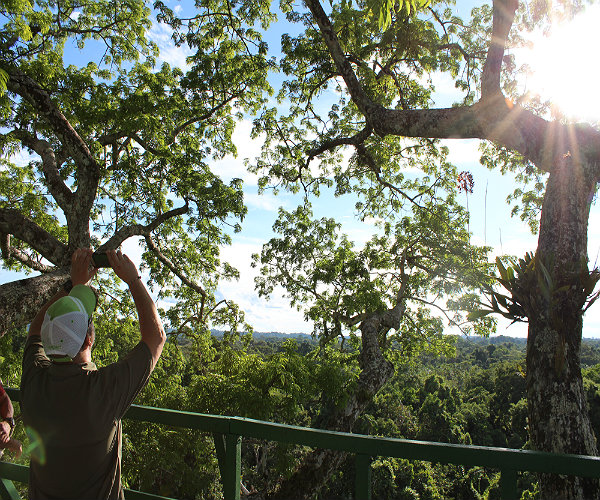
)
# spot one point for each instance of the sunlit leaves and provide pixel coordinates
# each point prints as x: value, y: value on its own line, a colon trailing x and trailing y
x: 319, y: 123
x: 382, y: 9
x: 530, y: 284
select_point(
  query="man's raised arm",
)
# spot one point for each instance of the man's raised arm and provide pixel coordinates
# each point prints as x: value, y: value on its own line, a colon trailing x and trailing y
x: 151, y: 329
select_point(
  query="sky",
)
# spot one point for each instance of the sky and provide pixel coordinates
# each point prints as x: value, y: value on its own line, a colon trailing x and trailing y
x: 490, y: 222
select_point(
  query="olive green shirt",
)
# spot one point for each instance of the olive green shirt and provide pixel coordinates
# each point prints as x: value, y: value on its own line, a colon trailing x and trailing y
x: 76, y: 411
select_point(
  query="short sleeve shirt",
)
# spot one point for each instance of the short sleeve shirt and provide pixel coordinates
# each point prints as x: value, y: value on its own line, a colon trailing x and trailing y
x: 74, y: 412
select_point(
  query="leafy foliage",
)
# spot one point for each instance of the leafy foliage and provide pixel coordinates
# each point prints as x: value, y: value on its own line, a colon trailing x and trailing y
x: 138, y: 164
x: 474, y: 395
x: 423, y: 259
x: 383, y: 9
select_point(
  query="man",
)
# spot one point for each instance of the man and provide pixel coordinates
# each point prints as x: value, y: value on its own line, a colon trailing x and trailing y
x: 7, y: 425
x: 73, y: 407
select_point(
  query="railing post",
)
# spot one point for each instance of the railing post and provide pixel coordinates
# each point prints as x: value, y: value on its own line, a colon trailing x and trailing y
x: 362, y: 486
x: 8, y: 490
x: 233, y: 464
x: 219, y: 440
x: 508, y: 484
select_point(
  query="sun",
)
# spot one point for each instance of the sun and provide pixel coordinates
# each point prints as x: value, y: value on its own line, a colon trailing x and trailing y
x: 565, y: 67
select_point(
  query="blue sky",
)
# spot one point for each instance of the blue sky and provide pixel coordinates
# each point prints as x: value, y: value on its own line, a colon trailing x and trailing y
x: 490, y: 215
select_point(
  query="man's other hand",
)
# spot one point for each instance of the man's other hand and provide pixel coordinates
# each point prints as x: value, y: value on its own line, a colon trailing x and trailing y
x: 14, y: 445
x: 123, y: 266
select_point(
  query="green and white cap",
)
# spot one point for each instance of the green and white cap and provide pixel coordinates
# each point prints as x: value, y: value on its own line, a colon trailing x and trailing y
x: 66, y: 322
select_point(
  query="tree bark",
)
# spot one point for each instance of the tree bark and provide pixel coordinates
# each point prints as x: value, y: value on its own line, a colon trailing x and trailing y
x: 558, y: 414
x: 21, y: 300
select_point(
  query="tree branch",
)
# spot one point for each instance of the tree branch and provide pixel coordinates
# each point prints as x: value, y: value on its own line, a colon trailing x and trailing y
x: 491, y: 119
x: 88, y: 171
x: 503, y: 16
x: 57, y: 187
x: 360, y: 98
x: 174, y: 269
x: 14, y: 222
x: 112, y: 138
x: 142, y: 230
x: 9, y: 252
x: 21, y: 300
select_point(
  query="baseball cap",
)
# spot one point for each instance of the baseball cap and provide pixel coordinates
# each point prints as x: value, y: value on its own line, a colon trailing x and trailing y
x: 66, y: 322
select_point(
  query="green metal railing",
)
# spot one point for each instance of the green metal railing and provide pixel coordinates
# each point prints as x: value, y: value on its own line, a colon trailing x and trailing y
x: 228, y: 432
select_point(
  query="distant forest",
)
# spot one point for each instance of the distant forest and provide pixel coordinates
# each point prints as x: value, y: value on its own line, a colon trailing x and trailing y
x: 474, y: 393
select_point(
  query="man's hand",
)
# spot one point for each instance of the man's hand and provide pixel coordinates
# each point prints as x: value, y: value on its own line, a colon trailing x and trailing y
x: 16, y: 447
x: 4, y: 434
x: 123, y: 267
x: 13, y: 445
x: 81, y: 269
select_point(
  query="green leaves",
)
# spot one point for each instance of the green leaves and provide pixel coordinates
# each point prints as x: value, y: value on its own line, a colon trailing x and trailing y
x: 382, y: 9
x: 149, y: 133
x: 532, y: 280
x: 409, y: 261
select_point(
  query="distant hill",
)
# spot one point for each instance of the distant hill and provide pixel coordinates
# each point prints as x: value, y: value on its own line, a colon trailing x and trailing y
x: 271, y: 335
x: 495, y: 340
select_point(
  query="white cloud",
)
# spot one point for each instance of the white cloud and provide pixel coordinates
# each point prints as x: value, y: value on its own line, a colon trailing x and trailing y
x: 132, y: 248
x: 504, y: 327
x: 248, y: 148
x: 264, y: 315
x: 20, y: 159
x: 357, y: 231
x: 176, y: 56
x: 445, y: 92
x: 266, y: 201
x: 463, y: 152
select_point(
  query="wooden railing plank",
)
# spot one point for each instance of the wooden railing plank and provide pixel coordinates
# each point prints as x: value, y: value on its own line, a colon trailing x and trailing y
x: 508, y: 484
x: 233, y: 466
x: 8, y: 490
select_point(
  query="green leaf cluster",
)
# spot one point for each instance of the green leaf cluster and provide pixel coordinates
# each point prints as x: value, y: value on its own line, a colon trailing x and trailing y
x: 475, y: 394
x: 423, y: 259
x: 532, y: 279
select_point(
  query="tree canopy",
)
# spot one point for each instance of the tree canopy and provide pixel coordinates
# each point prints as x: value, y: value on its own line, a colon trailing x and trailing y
x: 115, y: 148
x: 381, y: 84
x: 120, y: 147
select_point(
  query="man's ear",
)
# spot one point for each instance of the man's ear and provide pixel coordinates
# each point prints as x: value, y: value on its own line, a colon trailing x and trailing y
x: 89, y: 340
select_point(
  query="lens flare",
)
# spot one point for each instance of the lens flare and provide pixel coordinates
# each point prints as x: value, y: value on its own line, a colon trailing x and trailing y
x: 36, y: 448
x: 564, y: 66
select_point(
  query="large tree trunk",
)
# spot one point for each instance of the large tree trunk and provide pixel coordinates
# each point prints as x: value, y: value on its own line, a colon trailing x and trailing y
x: 558, y: 413
x: 21, y: 300
x: 319, y: 466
